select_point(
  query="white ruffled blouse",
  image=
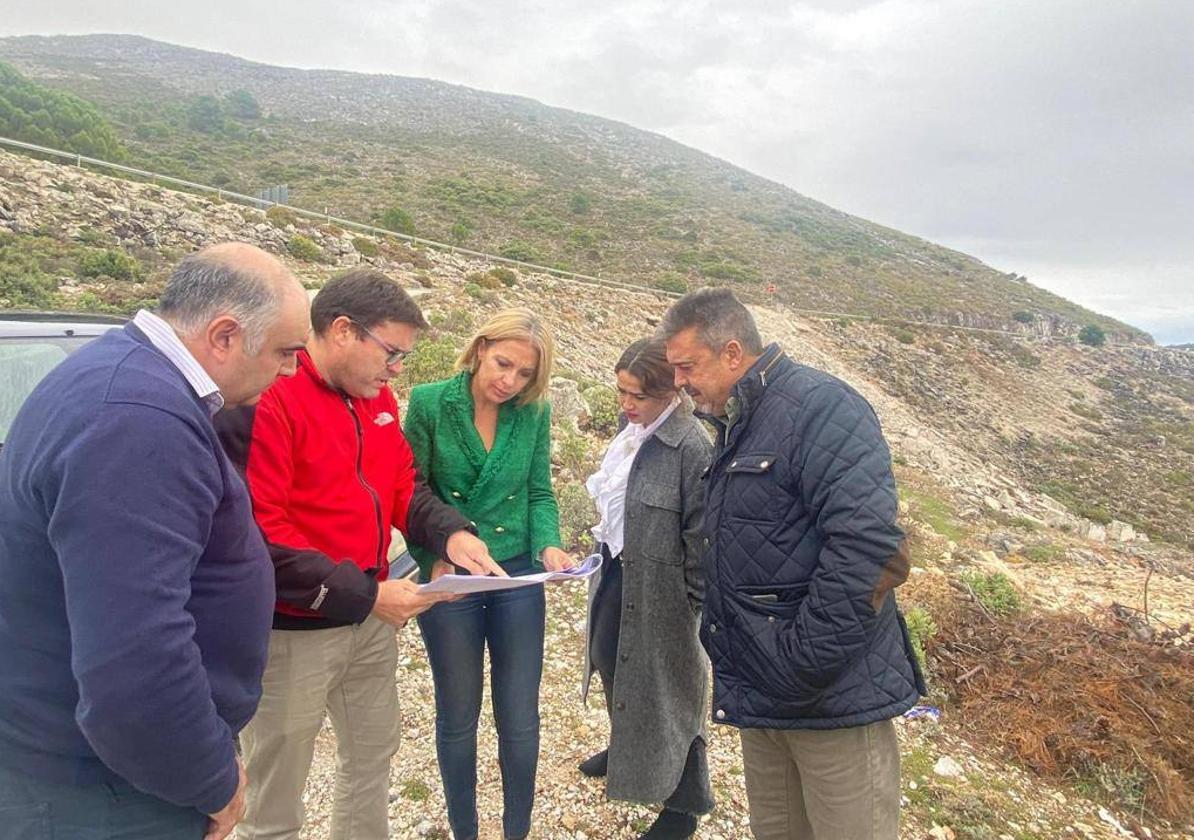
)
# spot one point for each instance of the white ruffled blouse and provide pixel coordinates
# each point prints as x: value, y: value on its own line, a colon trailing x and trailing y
x: 607, y: 486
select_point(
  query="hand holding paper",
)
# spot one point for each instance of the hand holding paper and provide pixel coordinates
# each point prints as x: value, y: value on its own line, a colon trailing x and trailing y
x: 463, y: 584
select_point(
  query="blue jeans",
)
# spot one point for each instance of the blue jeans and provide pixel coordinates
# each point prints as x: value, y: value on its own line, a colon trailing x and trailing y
x: 32, y: 809
x: 511, y: 621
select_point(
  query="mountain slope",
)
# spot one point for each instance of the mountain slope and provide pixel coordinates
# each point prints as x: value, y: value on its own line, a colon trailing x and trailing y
x: 506, y: 174
x: 978, y: 425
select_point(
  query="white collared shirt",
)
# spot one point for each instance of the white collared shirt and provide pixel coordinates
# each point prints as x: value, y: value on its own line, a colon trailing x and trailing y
x: 163, y: 337
x: 607, y: 486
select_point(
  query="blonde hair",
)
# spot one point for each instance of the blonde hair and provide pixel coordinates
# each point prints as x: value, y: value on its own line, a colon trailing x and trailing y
x: 519, y: 325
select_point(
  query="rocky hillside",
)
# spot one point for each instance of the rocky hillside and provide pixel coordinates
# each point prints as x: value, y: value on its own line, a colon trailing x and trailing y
x: 1038, y: 478
x: 508, y: 175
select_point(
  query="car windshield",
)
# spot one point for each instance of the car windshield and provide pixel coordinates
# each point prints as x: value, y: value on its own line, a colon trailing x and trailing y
x: 23, y: 363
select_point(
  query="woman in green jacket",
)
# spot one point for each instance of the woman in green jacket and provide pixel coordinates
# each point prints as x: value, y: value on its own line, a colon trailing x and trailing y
x: 482, y: 441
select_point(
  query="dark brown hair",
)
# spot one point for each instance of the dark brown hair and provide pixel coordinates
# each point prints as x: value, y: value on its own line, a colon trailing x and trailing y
x: 646, y: 360
x: 368, y: 298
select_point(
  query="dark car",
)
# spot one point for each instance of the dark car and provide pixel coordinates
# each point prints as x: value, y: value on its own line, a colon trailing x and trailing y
x: 32, y: 343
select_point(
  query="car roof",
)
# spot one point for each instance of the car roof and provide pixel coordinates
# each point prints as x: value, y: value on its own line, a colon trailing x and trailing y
x: 18, y: 324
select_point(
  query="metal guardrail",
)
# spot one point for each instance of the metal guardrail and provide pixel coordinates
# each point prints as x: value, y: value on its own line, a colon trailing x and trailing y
x: 563, y: 274
x: 254, y: 201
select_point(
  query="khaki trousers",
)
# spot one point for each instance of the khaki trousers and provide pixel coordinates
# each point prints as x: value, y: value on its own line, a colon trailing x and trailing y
x: 349, y: 672
x: 833, y: 784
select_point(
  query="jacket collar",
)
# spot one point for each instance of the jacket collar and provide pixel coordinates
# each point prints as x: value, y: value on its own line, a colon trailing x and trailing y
x: 751, y: 386
x: 672, y: 430
x: 307, y: 366
x: 458, y: 402
x: 746, y: 394
x: 139, y: 335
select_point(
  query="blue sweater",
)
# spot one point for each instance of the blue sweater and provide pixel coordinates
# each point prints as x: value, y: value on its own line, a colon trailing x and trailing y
x: 137, y: 593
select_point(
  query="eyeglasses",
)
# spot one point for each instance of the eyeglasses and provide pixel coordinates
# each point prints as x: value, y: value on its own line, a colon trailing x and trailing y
x: 393, y: 354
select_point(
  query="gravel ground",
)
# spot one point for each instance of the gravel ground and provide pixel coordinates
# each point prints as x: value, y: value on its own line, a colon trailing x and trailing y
x: 989, y: 801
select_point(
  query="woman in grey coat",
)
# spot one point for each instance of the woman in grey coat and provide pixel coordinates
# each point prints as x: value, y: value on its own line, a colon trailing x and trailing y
x: 644, y: 611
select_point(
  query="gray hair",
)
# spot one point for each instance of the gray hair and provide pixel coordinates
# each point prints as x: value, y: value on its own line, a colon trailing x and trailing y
x: 718, y: 317
x: 201, y: 289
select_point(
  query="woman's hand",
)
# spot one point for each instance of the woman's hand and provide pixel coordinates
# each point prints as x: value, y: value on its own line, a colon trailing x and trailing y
x: 557, y: 560
x: 470, y: 553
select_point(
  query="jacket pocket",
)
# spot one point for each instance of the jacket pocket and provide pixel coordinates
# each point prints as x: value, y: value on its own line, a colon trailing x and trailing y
x: 656, y: 510
x: 758, y: 640
x: 750, y: 487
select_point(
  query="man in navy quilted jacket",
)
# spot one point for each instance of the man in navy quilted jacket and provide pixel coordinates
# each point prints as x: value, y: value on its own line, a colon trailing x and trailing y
x: 811, y: 658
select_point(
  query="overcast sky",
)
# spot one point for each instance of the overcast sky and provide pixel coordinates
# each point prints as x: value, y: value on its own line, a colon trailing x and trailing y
x: 1047, y: 137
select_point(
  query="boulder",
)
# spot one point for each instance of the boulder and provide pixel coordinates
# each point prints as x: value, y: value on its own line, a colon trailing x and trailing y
x: 567, y: 405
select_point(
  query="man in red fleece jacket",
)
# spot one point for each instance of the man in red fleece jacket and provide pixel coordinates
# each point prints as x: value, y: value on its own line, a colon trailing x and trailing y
x: 330, y: 473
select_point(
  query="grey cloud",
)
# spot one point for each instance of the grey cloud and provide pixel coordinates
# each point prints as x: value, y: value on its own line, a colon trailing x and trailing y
x: 1055, y: 139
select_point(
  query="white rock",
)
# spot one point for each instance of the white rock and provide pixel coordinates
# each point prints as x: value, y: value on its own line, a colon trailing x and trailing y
x: 948, y: 768
x: 1121, y: 531
x: 1092, y: 531
x: 567, y: 405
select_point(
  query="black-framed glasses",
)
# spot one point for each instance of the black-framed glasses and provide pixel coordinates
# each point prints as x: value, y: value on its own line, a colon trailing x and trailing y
x: 393, y: 354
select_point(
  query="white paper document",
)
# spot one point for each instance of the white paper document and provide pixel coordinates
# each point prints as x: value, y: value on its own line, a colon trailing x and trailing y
x: 464, y: 584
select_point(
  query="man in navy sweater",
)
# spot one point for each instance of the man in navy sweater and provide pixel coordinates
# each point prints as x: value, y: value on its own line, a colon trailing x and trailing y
x: 137, y: 593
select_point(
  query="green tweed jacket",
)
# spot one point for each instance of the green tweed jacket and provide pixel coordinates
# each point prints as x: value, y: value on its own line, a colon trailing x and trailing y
x: 506, y: 492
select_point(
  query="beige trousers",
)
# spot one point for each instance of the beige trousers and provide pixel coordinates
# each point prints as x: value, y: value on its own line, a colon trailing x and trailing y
x: 349, y: 673
x: 833, y: 784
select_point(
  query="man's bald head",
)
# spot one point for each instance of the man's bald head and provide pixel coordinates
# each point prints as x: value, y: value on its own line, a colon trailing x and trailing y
x: 232, y: 278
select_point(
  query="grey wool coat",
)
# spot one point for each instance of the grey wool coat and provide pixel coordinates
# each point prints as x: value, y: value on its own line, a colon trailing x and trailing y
x: 661, y: 678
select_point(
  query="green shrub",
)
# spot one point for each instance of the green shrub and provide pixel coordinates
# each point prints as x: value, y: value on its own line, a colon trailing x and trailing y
x: 48, y: 117
x: 280, y: 216
x: 242, y: 105
x: 1073, y: 499
x: 572, y: 452
x: 580, y: 203
x: 456, y: 321
x: 397, y: 220
x: 521, y: 251
x: 994, y: 591
x: 1043, y: 553
x: 433, y: 359
x: 672, y: 282
x: 93, y: 237
x: 302, y: 248
x: 365, y: 247
x: 205, y: 114
x: 921, y: 628
x: 26, y: 288
x: 1023, y: 317
x: 484, y: 279
x: 474, y: 290
x: 460, y: 232
x: 1092, y: 335
x: 603, y: 409
x: 905, y: 336
x: 115, y: 264
x: 578, y: 515
x: 505, y: 276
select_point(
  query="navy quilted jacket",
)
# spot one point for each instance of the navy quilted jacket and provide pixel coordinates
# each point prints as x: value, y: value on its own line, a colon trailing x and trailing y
x: 802, y: 555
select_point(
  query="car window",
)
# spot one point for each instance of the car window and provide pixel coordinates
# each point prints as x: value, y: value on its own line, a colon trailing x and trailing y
x: 23, y: 363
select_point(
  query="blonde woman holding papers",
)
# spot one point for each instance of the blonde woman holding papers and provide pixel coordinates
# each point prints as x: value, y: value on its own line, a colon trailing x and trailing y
x: 482, y: 440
